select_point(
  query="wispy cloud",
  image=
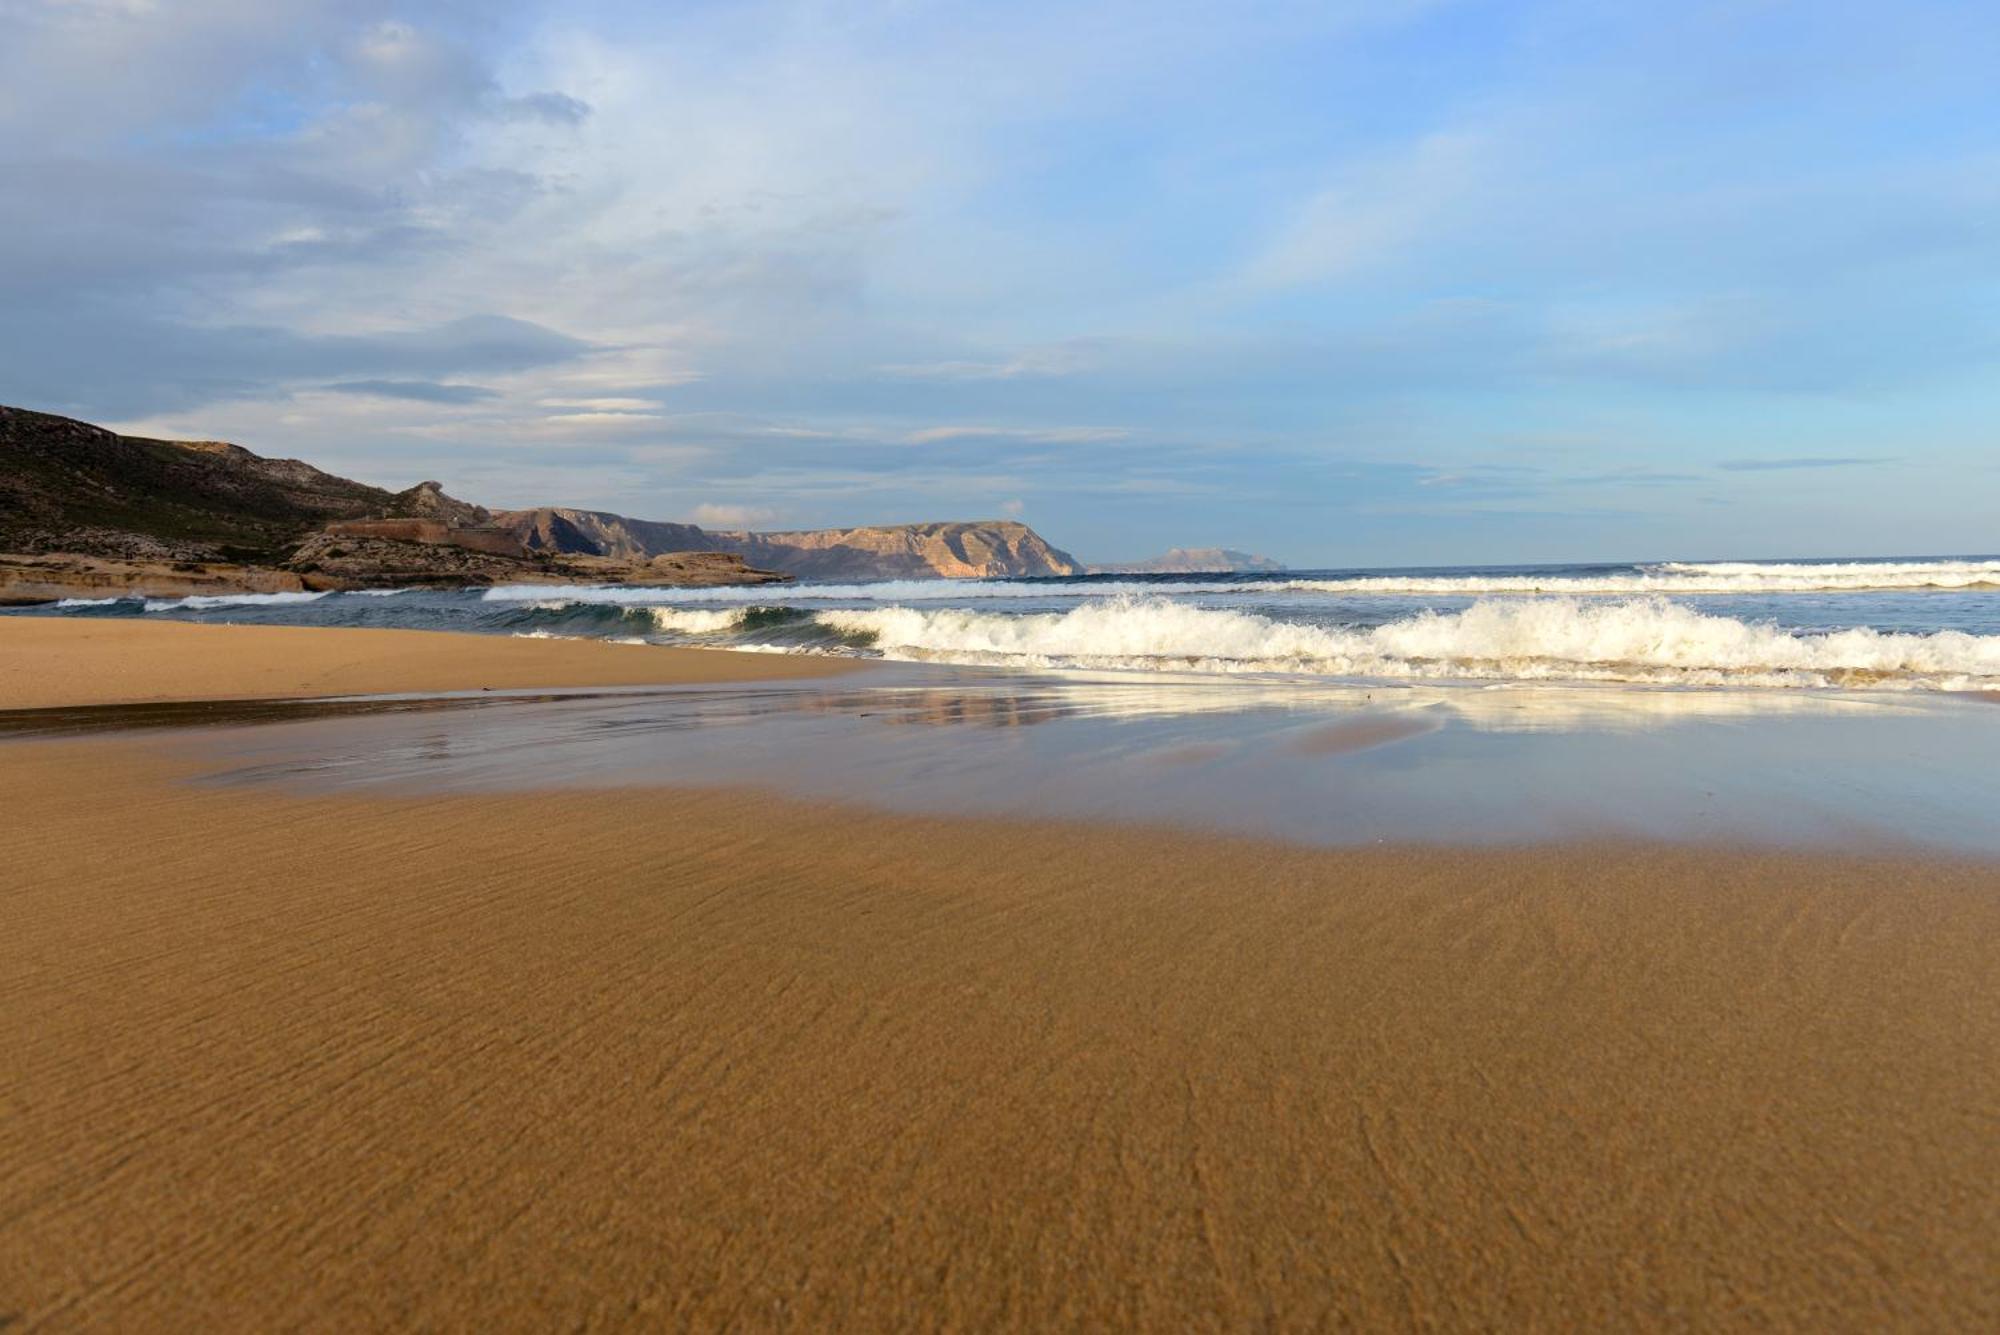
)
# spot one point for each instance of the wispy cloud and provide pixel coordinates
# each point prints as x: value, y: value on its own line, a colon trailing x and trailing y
x: 417, y: 391
x: 1373, y: 210
x: 1040, y: 362
x: 1046, y: 435
x: 1786, y: 463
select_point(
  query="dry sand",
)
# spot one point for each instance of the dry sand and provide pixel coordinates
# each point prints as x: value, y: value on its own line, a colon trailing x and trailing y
x: 48, y: 663
x: 709, y: 1059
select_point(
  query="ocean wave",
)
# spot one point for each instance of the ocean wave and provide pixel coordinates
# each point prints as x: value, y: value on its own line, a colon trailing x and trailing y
x: 893, y: 590
x: 1669, y: 577
x: 197, y: 602
x: 1562, y: 639
x: 1677, y: 577
x: 697, y: 621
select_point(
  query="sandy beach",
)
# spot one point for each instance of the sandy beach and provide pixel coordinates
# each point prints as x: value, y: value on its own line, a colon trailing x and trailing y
x: 697, y: 1058
x: 47, y: 663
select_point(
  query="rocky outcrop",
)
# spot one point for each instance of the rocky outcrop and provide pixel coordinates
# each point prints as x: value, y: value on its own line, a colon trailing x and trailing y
x: 430, y: 533
x: 427, y: 500
x: 27, y: 580
x: 1193, y: 561
x: 985, y: 549
x: 356, y: 556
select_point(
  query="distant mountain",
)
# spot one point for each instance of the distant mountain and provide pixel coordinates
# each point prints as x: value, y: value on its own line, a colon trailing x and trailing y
x: 1193, y: 561
x: 84, y: 509
x: 985, y: 548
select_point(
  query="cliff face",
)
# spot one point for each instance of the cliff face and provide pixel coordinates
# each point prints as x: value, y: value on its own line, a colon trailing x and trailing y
x: 597, y: 533
x: 985, y: 549
x: 994, y: 548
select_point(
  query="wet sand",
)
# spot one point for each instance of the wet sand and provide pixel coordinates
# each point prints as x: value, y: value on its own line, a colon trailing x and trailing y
x: 660, y: 1057
x: 49, y: 663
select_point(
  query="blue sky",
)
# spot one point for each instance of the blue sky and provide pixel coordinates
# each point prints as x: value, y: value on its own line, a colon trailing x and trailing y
x: 1344, y: 283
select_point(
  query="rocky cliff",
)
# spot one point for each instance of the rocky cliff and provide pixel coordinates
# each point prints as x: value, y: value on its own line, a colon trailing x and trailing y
x: 894, y: 551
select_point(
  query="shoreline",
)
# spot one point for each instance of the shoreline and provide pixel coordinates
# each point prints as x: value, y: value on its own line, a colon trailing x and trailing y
x: 51, y: 662
x: 709, y: 1056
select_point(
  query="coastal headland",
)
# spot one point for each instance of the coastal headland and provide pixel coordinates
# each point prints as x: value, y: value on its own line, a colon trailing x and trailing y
x: 713, y: 1058
x: 86, y: 512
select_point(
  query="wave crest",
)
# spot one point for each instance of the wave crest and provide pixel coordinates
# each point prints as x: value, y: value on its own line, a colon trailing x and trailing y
x: 197, y: 602
x: 1638, y: 640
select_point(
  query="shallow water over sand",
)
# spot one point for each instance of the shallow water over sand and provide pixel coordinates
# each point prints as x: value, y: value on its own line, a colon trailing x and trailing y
x: 1317, y: 764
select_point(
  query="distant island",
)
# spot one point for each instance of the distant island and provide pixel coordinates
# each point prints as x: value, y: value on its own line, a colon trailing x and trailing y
x: 1192, y: 561
x: 87, y: 512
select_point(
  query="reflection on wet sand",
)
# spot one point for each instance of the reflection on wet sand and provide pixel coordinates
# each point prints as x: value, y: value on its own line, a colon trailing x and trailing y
x: 943, y: 707
x: 1316, y: 763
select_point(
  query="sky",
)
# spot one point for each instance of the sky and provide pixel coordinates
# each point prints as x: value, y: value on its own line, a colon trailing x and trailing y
x: 1343, y: 283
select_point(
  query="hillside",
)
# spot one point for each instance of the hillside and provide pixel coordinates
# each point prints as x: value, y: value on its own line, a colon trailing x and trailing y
x: 67, y: 486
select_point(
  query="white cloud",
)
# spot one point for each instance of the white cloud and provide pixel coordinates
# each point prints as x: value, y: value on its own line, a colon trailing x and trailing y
x: 711, y: 515
x: 1040, y: 362
x: 606, y: 405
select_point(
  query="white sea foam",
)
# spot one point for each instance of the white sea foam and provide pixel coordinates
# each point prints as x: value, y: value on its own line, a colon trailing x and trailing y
x: 1638, y: 640
x: 199, y: 601
x: 92, y: 602
x: 697, y: 621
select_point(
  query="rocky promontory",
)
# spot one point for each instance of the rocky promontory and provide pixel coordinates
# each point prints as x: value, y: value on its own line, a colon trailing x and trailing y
x: 86, y: 512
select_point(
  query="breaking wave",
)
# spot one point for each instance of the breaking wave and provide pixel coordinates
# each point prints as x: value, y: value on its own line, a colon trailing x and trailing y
x: 198, y: 602
x: 697, y: 621
x: 1639, y: 640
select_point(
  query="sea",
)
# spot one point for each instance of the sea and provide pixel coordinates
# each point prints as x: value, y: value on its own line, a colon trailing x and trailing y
x: 1780, y: 703
x: 1923, y: 624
